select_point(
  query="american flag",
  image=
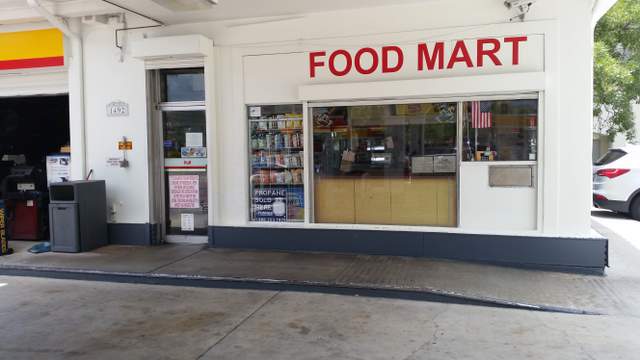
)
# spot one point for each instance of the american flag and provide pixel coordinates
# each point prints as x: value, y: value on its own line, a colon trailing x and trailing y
x: 480, y: 114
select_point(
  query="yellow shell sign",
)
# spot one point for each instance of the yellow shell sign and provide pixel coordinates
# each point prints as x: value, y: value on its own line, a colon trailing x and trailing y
x: 31, y: 49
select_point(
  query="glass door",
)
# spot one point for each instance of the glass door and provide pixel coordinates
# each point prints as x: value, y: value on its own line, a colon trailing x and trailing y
x: 182, y: 119
x: 185, y: 172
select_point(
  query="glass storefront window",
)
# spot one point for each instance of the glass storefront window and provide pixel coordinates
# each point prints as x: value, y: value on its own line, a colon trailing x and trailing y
x: 277, y: 163
x: 178, y: 85
x: 500, y: 130
x: 385, y: 164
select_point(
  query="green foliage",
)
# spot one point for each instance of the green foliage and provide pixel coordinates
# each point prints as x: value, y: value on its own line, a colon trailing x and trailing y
x: 617, y: 69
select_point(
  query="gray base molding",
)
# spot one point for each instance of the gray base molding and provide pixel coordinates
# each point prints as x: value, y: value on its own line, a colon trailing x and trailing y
x: 556, y: 253
x: 133, y: 234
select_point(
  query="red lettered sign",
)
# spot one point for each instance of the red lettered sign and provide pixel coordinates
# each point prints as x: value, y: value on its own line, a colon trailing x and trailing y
x: 422, y: 57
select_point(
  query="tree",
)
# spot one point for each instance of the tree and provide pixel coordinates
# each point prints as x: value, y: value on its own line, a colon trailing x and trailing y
x: 617, y: 69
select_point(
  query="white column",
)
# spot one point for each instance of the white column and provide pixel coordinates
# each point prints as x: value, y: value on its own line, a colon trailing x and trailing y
x: 76, y: 103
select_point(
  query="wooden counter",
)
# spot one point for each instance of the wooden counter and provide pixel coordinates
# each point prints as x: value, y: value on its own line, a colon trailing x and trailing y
x: 399, y: 201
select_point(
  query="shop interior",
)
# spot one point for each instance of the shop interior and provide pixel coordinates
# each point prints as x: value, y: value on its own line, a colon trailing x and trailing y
x: 34, y: 151
x: 386, y: 164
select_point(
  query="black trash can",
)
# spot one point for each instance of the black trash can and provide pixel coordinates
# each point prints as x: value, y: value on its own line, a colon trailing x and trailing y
x: 78, y: 215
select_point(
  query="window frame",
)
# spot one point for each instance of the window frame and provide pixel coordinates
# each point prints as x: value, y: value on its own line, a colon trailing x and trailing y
x: 249, y: 167
x: 537, y: 135
x: 309, y: 187
x: 163, y: 87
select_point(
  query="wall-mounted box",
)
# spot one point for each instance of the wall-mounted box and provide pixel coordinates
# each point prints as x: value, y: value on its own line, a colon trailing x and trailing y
x: 182, y: 46
x: 511, y: 176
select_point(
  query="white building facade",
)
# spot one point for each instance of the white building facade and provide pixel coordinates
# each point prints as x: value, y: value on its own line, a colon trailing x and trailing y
x: 425, y: 128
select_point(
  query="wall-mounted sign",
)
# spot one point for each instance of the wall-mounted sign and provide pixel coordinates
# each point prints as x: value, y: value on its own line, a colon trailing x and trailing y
x: 31, y: 49
x: 449, y: 57
x: 184, y: 191
x: 117, y: 109
x: 125, y: 145
x: 114, y: 161
x: 421, y: 57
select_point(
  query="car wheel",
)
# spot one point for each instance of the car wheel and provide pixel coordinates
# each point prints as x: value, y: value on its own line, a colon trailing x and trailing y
x: 634, y: 210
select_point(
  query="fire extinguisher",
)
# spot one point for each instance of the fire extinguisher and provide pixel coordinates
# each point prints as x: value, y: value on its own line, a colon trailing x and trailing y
x: 4, y: 243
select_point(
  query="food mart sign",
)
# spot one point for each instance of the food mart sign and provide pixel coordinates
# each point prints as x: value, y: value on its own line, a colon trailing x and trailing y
x: 520, y: 53
x: 31, y: 49
x: 277, y: 77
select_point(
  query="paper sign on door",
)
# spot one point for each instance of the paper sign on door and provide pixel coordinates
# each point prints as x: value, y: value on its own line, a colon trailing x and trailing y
x: 184, y: 191
x: 187, y: 222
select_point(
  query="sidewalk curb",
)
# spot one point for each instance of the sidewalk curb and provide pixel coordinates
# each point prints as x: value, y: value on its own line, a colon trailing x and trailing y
x: 353, y: 289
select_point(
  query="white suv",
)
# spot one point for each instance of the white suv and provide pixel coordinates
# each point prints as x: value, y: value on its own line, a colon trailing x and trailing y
x: 616, y: 181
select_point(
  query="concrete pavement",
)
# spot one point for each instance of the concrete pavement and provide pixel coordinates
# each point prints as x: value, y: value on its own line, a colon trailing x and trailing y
x: 69, y: 319
x: 616, y: 293
x: 624, y: 227
x: 43, y: 318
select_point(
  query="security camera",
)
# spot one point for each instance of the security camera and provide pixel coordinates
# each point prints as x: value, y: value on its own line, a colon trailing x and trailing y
x: 521, y: 4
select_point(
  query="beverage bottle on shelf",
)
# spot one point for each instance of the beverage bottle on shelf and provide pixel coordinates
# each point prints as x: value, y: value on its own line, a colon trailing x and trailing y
x: 278, y: 141
x: 288, y: 178
x: 263, y: 159
x: 268, y: 141
x: 287, y: 140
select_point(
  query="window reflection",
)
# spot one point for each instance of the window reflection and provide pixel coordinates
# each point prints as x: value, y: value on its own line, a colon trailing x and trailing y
x: 182, y: 85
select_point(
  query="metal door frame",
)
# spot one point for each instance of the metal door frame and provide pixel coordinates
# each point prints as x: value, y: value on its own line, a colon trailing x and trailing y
x: 157, y: 173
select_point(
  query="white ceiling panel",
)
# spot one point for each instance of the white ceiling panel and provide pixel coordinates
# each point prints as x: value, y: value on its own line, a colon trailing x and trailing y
x: 180, y: 11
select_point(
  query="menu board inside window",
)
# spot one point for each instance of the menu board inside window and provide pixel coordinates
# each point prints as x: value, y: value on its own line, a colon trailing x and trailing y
x: 276, y: 158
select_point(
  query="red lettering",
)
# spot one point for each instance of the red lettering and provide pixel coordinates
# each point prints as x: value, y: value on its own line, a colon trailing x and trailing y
x: 460, y: 47
x: 385, y: 59
x: 332, y: 63
x: 374, y: 59
x: 515, y: 57
x: 491, y: 53
x: 430, y: 60
x: 313, y: 64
